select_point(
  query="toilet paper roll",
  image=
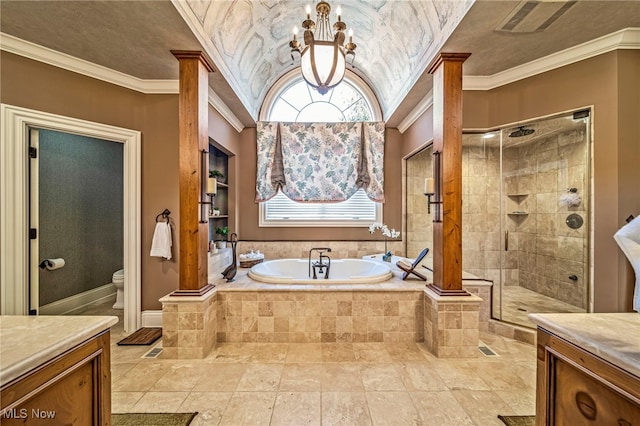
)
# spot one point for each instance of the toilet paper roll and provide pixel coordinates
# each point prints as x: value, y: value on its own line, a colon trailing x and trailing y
x: 53, y: 264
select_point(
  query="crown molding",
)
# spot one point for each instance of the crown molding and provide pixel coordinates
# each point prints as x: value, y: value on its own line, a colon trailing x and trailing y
x: 225, y: 111
x: 424, y: 104
x: 628, y: 38
x: 39, y: 53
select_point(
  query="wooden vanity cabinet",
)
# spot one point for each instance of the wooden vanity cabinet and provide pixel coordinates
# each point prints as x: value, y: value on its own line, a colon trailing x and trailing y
x: 73, y: 388
x: 575, y: 387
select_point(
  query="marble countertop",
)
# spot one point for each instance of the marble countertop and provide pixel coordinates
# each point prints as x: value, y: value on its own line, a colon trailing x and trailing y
x: 28, y: 341
x: 613, y: 337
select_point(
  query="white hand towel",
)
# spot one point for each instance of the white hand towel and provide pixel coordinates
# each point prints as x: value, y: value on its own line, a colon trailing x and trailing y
x: 161, y: 244
x: 628, y: 238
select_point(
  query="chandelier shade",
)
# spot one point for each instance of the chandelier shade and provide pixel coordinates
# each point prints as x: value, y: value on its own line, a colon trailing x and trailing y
x: 323, y: 58
x: 323, y: 65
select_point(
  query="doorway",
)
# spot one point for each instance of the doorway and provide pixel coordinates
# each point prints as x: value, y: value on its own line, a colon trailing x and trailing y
x: 545, y: 216
x: 15, y: 123
x: 76, y: 208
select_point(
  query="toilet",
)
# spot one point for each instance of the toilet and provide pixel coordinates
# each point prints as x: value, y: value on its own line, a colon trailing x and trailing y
x: 118, y: 280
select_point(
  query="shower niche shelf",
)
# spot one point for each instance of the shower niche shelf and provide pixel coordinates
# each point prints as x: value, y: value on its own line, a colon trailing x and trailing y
x: 517, y: 205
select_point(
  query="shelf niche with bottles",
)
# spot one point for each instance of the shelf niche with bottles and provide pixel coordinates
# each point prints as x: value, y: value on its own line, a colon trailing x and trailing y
x: 219, y: 169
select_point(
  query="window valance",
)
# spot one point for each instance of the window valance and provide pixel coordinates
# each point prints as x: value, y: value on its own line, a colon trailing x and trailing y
x: 320, y: 162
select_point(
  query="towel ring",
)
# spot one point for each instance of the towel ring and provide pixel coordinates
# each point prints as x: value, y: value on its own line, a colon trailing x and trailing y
x: 165, y: 215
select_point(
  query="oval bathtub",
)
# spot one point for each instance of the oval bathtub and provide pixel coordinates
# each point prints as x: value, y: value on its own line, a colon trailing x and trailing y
x: 343, y: 271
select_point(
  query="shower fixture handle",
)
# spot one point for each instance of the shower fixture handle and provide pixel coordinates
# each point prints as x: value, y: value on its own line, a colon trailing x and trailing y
x: 506, y: 240
x: 573, y: 277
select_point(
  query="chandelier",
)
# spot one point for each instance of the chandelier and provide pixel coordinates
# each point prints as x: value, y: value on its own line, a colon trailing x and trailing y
x: 323, y: 58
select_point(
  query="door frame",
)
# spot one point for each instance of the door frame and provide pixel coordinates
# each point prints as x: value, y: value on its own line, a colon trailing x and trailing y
x: 14, y: 198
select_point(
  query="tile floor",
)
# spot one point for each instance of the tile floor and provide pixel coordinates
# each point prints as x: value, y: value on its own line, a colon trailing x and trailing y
x: 326, y: 383
x: 329, y: 384
x: 518, y: 302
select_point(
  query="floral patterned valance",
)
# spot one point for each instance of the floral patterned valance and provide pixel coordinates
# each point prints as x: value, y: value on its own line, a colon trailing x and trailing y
x: 320, y: 162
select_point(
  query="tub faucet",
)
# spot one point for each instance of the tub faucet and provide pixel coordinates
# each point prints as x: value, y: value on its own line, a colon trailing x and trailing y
x: 318, y: 267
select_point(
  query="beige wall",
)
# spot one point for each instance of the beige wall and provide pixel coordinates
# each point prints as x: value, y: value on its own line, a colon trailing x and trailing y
x: 248, y: 208
x: 418, y: 134
x: 629, y: 151
x: 42, y: 87
x: 610, y: 83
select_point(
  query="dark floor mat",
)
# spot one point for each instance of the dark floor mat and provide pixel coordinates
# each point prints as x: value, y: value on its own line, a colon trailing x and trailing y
x: 152, y: 419
x: 144, y: 336
x: 518, y: 420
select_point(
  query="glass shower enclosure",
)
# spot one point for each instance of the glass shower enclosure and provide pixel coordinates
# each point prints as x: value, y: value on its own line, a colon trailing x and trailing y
x: 526, y: 215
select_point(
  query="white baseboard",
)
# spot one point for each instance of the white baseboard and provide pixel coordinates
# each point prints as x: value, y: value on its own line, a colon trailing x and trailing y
x: 151, y: 318
x: 66, y: 305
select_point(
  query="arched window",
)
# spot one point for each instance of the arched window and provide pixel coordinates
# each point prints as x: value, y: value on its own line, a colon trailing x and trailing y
x: 291, y: 99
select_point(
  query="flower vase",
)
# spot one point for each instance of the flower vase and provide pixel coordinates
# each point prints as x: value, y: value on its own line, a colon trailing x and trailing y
x: 387, y: 253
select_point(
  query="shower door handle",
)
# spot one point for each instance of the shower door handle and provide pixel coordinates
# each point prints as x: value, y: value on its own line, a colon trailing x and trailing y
x: 506, y: 240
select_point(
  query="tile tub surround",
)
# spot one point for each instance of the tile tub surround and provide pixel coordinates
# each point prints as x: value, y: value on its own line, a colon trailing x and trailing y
x: 189, y: 325
x: 339, y: 249
x: 250, y: 311
x: 478, y: 287
x: 393, y: 311
x: 451, y: 325
x: 30, y: 341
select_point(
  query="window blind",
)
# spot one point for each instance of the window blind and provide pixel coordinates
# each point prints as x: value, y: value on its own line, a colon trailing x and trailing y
x: 357, y: 210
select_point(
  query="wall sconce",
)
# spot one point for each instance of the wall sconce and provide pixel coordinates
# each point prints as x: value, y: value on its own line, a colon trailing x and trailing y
x: 212, y: 190
x: 432, y: 188
x: 204, y: 187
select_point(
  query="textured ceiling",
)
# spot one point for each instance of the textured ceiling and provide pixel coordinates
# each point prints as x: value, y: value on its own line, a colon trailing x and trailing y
x: 495, y: 51
x: 248, y: 40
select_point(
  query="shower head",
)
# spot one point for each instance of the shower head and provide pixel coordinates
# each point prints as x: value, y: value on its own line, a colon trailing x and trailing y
x: 521, y: 131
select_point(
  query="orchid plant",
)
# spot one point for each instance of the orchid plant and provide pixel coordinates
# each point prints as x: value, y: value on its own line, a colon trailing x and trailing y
x: 387, y: 233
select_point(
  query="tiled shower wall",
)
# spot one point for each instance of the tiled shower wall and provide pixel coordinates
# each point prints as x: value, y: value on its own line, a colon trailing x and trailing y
x: 543, y: 251
x: 419, y: 223
x: 480, y: 207
x: 548, y: 250
x: 481, y: 236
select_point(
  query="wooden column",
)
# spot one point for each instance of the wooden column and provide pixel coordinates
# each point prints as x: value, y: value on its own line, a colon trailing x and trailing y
x: 194, y: 138
x: 447, y: 145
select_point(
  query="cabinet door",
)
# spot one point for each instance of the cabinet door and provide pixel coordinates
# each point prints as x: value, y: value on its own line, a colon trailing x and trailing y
x: 575, y: 387
x: 584, y: 399
x: 72, y: 389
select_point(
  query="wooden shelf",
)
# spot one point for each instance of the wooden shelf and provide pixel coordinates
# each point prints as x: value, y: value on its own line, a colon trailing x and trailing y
x: 517, y: 195
x: 518, y: 214
x: 219, y: 160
